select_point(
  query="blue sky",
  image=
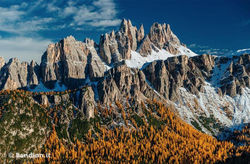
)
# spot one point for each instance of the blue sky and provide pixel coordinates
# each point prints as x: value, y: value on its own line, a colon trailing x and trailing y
x: 28, y: 26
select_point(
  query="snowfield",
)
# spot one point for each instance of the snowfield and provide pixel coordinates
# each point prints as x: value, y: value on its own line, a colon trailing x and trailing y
x: 137, y: 61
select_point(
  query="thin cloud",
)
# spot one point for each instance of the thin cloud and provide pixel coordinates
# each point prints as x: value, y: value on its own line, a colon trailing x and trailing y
x: 106, y: 23
x: 10, y: 14
x: 101, y: 13
x: 24, y: 18
x: 201, y: 49
x: 24, y: 48
x: 16, y: 21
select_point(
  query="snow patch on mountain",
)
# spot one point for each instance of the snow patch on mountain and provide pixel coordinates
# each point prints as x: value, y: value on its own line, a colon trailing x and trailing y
x: 242, y: 115
x: 137, y: 61
x: 185, y: 51
x: 219, y: 73
x: 228, y: 111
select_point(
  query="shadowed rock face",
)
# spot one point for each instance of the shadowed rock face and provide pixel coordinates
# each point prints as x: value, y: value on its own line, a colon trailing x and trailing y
x: 140, y: 34
x: 168, y: 76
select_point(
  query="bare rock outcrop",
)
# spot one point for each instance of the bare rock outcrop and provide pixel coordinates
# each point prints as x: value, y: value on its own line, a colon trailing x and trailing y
x: 145, y: 47
x: 236, y: 75
x: 33, y: 74
x: 122, y: 81
x: 71, y: 62
x: 95, y: 67
x: 162, y: 37
x: 175, y: 72
x: 191, y: 73
x: 64, y: 61
x: 108, y: 48
x: 140, y: 34
x: 87, y: 102
x: 118, y: 45
x: 16, y: 74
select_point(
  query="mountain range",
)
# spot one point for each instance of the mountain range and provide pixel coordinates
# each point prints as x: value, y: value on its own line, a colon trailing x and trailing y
x: 130, y: 63
x: 126, y: 68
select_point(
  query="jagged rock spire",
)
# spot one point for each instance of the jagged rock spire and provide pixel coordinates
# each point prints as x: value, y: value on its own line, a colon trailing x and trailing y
x: 140, y: 33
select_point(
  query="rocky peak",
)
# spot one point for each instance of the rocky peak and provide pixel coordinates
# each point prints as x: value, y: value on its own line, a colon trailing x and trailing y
x: 145, y: 47
x: 114, y: 47
x: 16, y: 74
x: 33, y: 73
x: 129, y: 31
x: 87, y: 102
x: 170, y: 36
x: 117, y: 46
x: 33, y: 63
x: 236, y: 75
x: 157, y: 35
x: 108, y: 47
x: 89, y: 42
x: 71, y: 62
x: 140, y: 34
x: 162, y: 37
x: 124, y: 26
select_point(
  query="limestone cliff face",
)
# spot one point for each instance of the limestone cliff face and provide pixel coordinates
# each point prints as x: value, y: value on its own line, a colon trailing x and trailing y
x: 236, y: 75
x: 146, y: 47
x: 191, y: 73
x: 87, y: 102
x: 118, y: 45
x: 123, y: 81
x: 162, y: 37
x: 140, y: 34
x: 169, y: 75
x: 71, y: 61
x: 16, y: 74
